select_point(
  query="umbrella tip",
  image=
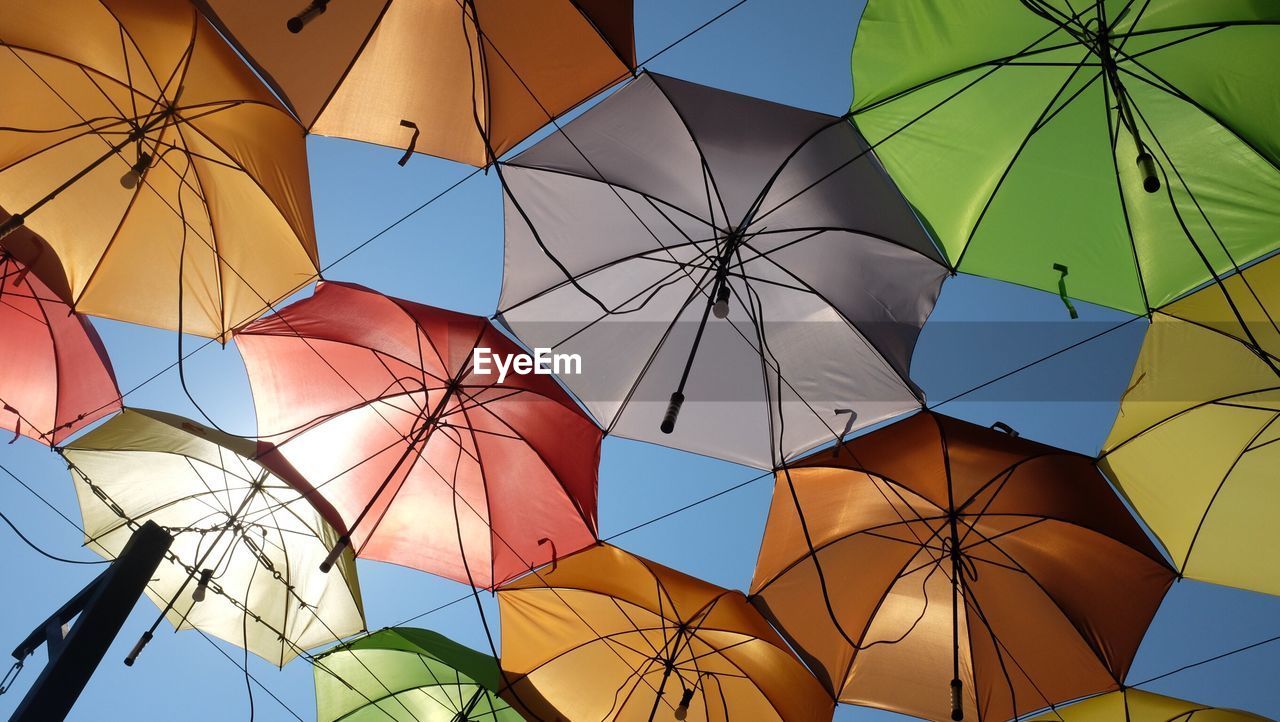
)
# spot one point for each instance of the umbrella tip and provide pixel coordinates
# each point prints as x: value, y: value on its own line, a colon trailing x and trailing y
x: 673, y: 413
x: 296, y: 23
x: 1147, y: 166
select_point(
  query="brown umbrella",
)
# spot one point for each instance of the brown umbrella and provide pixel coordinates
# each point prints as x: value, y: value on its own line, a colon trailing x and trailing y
x: 425, y: 75
x: 936, y: 552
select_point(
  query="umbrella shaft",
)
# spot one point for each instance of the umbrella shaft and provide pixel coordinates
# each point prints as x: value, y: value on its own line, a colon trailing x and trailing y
x: 722, y: 279
x: 657, y: 698
x: 16, y: 220
x: 422, y: 434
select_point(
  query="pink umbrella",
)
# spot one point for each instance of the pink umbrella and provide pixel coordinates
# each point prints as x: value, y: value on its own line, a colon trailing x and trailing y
x: 433, y: 461
x: 55, y: 377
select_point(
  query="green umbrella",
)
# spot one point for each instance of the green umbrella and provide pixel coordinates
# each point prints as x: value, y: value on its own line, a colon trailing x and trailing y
x: 408, y: 675
x: 1121, y: 151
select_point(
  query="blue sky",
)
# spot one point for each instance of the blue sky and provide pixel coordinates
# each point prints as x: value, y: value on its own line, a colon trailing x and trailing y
x: 451, y: 255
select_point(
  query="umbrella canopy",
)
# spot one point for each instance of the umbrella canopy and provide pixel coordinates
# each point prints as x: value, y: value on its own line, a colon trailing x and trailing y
x: 56, y: 377
x: 248, y: 531
x: 433, y: 462
x: 386, y: 71
x: 405, y: 674
x: 668, y: 202
x: 607, y: 635
x: 213, y: 221
x: 1135, y: 705
x: 1127, y: 143
x: 936, y: 550
x: 1194, y: 445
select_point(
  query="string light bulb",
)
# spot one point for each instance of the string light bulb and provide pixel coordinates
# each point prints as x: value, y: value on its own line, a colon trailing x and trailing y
x: 202, y: 586
x: 682, y: 711
x: 133, y: 176
x: 721, y: 307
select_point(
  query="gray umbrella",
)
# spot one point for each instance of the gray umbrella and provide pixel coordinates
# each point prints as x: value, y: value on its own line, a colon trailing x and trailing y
x: 741, y: 267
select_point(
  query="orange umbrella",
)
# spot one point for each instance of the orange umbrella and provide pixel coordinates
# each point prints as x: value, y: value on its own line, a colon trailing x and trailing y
x: 607, y: 635
x: 936, y: 552
x: 169, y: 181
x: 432, y: 75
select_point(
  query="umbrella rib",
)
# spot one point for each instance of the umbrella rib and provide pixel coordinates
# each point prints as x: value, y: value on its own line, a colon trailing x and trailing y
x: 1215, y: 276
x: 1098, y: 654
x: 1003, y: 476
x: 851, y: 325
x: 1186, y: 559
x: 871, y: 531
x: 125, y: 33
x: 652, y: 290
x: 994, y: 63
x: 299, y: 236
x: 1113, y: 135
x: 698, y: 290
x: 315, y: 613
x: 14, y: 49
x: 707, y: 177
x: 355, y: 58
x: 1046, y: 116
x: 419, y: 334
x: 971, y: 602
x: 582, y: 513
x: 1207, y: 326
x: 600, y: 178
x: 1213, y: 230
x: 872, y: 146
x: 770, y: 362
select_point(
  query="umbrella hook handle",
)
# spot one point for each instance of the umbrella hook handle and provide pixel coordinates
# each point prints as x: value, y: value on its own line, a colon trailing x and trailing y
x: 555, y: 556
x: 1062, y: 289
x: 413, y: 142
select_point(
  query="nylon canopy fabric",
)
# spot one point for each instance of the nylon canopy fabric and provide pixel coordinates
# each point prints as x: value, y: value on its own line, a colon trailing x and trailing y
x: 55, y: 378
x: 592, y: 638
x: 404, y: 674
x: 1135, y: 705
x: 234, y: 507
x: 216, y: 210
x: 360, y: 68
x: 1053, y: 581
x: 1015, y: 129
x: 1193, y: 447
x: 667, y: 193
x: 432, y: 463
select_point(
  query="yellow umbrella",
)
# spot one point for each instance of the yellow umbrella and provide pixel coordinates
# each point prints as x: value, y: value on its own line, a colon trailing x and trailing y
x: 1134, y: 705
x: 1194, y: 447
x: 606, y: 635
x: 162, y: 171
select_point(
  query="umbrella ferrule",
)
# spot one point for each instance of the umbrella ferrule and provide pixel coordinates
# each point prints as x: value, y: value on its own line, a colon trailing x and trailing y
x: 1147, y: 167
x: 343, y: 542
x: 313, y: 10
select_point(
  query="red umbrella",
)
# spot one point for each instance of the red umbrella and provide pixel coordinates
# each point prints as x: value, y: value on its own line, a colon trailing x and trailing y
x: 430, y: 462
x: 55, y: 377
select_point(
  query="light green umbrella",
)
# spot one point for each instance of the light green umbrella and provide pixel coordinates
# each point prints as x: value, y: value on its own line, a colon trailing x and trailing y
x: 1125, y: 149
x: 410, y: 675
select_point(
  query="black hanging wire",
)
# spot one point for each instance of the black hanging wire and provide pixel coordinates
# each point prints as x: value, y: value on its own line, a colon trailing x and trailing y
x: 26, y: 540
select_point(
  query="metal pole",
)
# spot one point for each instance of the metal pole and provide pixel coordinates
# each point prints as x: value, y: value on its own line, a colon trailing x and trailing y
x: 103, y: 606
